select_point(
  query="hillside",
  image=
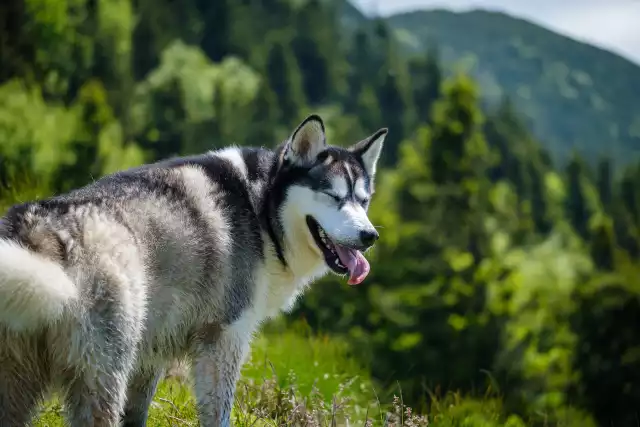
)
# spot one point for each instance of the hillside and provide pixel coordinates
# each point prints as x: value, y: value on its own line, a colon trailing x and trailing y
x: 571, y: 94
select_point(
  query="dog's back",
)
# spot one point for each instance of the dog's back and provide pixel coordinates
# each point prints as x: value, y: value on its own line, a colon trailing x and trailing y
x: 179, y: 216
x: 132, y: 261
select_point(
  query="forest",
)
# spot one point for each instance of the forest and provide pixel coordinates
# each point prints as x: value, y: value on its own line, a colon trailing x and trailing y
x: 504, y: 288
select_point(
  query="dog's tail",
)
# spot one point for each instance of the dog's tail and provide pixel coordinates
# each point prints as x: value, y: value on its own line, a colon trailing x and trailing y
x: 34, y: 291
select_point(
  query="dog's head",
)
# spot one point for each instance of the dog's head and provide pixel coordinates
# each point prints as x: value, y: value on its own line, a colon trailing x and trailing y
x: 325, y: 198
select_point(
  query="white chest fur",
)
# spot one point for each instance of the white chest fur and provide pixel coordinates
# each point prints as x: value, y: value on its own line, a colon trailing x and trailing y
x: 277, y: 288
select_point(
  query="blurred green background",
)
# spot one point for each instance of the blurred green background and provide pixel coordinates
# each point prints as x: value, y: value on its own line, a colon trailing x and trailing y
x: 509, y: 200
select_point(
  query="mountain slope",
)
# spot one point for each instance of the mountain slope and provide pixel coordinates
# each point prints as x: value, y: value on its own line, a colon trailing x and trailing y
x: 572, y: 94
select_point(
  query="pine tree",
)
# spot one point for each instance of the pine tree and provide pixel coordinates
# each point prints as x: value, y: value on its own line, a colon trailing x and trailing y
x: 367, y: 109
x: 539, y: 214
x: 576, y: 204
x: 361, y: 97
x: 602, y: 245
x: 144, y: 57
x: 264, y: 119
x: 604, y: 183
x: 216, y: 34
x: 394, y: 103
x: 459, y: 145
x: 359, y: 75
x: 426, y: 79
x: 285, y: 80
x: 315, y: 47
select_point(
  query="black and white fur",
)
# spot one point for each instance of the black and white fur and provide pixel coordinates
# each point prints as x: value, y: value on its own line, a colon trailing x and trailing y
x: 104, y: 286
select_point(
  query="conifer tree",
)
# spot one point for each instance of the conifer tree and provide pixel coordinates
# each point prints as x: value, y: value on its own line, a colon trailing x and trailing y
x: 604, y: 182
x: 576, y: 204
x: 426, y: 79
x: 285, y: 80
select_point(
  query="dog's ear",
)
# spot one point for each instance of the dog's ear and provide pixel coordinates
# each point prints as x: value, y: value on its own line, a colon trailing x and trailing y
x: 306, y: 142
x: 369, y: 150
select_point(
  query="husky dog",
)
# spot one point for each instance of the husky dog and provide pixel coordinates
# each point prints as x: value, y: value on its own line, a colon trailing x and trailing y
x: 101, y: 288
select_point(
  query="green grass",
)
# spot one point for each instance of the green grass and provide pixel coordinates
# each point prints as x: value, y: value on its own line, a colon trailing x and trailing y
x: 293, y: 378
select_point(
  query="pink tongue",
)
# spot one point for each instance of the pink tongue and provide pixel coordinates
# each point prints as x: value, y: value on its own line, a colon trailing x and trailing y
x: 355, y: 262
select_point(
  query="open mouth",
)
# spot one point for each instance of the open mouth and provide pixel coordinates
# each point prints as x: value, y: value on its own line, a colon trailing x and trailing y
x: 341, y: 259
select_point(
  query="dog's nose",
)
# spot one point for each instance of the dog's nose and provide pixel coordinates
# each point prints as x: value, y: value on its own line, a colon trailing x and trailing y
x: 368, y: 237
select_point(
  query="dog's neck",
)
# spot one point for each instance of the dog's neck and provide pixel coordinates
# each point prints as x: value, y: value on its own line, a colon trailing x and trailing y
x: 268, y: 209
x: 300, y: 262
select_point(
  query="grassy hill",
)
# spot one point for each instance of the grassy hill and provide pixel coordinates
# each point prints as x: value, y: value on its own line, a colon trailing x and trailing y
x: 317, y: 385
x: 572, y: 94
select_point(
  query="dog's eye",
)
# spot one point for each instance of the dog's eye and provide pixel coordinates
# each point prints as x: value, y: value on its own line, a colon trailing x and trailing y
x: 364, y: 202
x: 334, y: 197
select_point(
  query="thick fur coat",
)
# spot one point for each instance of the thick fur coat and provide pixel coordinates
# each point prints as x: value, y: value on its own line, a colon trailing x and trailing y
x: 103, y: 287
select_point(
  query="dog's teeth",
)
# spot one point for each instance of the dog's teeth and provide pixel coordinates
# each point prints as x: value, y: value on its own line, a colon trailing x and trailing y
x: 337, y: 262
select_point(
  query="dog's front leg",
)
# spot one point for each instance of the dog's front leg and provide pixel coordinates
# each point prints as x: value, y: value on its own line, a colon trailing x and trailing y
x: 220, y: 352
